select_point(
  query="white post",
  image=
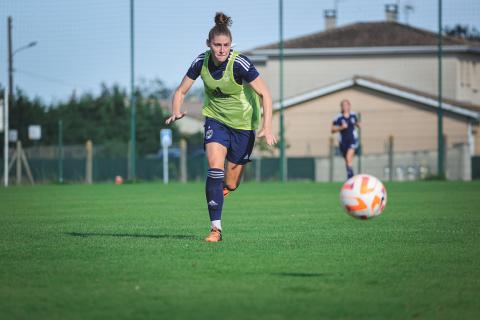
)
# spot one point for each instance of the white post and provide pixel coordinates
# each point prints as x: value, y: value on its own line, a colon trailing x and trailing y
x: 165, y: 164
x: 5, y: 137
x: 89, y: 162
x: 165, y: 141
x: 183, y: 160
x: 470, y: 139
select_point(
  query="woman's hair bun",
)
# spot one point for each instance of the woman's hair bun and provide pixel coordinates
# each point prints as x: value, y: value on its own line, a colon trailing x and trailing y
x: 222, y: 19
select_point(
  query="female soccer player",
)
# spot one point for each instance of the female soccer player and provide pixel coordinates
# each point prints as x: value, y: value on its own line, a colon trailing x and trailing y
x: 345, y: 123
x: 233, y: 90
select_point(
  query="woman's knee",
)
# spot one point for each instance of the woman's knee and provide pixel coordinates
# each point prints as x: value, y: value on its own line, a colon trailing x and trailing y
x: 232, y: 186
x: 216, y: 154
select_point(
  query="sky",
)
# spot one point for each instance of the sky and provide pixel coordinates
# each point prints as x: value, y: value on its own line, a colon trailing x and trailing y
x: 83, y: 43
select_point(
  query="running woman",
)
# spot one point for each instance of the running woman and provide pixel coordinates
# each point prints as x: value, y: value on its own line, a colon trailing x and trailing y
x: 346, y: 123
x: 234, y: 92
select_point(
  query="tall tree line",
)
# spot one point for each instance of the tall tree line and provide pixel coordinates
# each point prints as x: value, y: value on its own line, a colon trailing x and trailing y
x: 103, y: 118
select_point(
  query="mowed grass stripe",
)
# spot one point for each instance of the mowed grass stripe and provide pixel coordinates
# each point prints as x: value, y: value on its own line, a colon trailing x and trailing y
x: 289, y: 252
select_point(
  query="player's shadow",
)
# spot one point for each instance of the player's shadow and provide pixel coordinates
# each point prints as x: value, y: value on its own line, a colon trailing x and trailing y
x: 299, y: 274
x: 131, y: 235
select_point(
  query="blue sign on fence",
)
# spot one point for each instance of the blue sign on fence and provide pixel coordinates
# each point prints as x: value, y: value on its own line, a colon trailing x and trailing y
x: 166, y: 137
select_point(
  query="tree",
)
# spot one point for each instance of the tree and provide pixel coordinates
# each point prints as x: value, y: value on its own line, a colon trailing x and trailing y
x: 102, y: 118
x: 463, y: 31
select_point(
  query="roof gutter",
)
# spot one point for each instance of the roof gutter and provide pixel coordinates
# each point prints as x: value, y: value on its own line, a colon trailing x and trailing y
x: 380, y: 88
x: 364, y: 51
x: 315, y: 94
x: 417, y: 98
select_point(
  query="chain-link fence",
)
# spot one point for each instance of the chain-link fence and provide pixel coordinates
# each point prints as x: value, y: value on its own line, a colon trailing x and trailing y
x: 69, y: 63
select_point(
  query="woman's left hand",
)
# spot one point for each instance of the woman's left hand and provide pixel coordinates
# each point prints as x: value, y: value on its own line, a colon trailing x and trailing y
x: 268, y: 136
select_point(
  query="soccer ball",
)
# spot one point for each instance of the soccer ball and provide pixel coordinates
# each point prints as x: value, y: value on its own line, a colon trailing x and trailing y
x: 363, y: 196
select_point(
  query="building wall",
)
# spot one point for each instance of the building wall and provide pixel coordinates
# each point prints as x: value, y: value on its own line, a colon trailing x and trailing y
x: 413, y: 126
x: 405, y: 165
x: 303, y: 74
x: 476, y: 139
x: 468, y: 73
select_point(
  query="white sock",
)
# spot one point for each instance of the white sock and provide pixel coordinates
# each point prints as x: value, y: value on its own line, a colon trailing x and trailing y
x: 216, y: 224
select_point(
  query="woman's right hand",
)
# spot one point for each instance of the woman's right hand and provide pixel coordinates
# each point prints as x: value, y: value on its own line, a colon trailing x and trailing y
x: 174, y: 117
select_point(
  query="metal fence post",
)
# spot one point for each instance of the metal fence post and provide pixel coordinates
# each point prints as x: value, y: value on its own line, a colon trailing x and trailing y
x: 390, y: 158
x: 6, y: 125
x: 60, y: 151
x: 331, y: 158
x: 359, y: 156
x: 258, y: 168
x: 441, y: 160
x: 444, y: 157
x: 89, y: 163
x: 132, y: 172
x: 183, y: 160
x: 19, y: 162
x: 283, y: 160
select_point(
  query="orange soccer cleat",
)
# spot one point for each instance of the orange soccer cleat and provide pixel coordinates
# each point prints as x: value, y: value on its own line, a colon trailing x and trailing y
x: 215, y: 235
x: 226, y: 192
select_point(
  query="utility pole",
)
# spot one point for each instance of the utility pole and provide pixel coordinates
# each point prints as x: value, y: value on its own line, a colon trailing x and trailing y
x: 283, y: 162
x: 60, y: 151
x: 11, y: 87
x: 10, y: 63
x: 440, y: 148
x: 8, y: 99
x: 132, y: 95
x: 5, y: 138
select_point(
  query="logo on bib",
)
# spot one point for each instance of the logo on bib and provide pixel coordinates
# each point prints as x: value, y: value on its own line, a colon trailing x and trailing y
x: 208, y: 134
x: 217, y: 93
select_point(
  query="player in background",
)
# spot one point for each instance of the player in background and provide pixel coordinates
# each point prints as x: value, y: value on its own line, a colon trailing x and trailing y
x: 345, y: 123
x: 234, y: 92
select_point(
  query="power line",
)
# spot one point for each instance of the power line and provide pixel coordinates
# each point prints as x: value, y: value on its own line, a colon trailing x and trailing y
x: 46, y: 78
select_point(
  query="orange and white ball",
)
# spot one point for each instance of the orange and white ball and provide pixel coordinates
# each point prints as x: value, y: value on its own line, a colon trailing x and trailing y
x: 118, y: 180
x: 363, y: 196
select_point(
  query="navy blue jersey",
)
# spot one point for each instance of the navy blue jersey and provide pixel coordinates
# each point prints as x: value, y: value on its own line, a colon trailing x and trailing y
x: 243, y: 69
x: 349, y: 135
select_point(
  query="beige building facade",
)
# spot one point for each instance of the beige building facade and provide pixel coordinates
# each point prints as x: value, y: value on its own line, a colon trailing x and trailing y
x: 389, y: 72
x: 412, y: 68
x: 385, y: 110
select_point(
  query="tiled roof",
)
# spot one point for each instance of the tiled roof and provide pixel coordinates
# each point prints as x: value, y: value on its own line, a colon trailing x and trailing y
x: 369, y: 34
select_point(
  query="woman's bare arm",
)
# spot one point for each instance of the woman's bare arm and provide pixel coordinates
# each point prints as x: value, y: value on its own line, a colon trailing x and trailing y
x: 177, y: 100
x: 261, y: 89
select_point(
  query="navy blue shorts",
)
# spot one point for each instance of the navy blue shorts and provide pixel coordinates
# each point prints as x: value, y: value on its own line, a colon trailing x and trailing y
x: 239, y: 143
x: 349, y: 145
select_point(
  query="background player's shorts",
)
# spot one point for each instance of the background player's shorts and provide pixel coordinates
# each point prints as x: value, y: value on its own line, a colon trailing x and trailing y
x: 239, y: 143
x: 348, y: 145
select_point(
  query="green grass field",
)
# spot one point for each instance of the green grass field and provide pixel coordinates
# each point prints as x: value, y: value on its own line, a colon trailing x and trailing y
x: 289, y: 252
